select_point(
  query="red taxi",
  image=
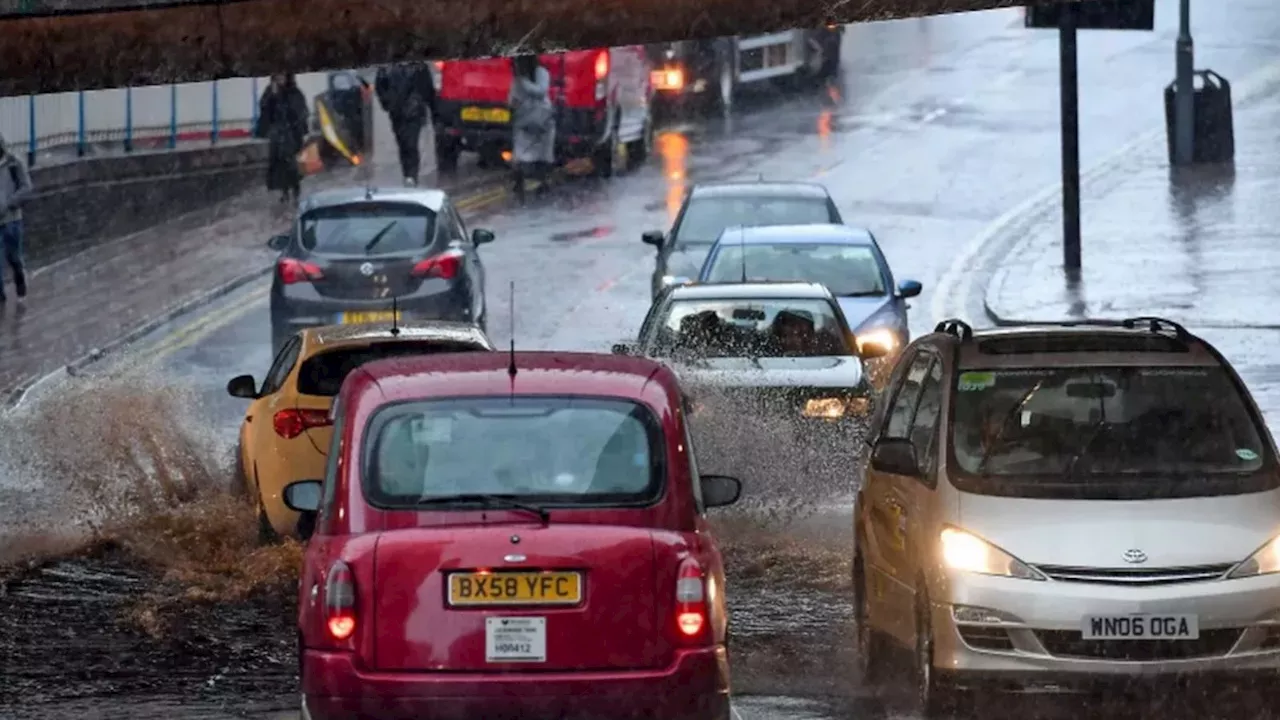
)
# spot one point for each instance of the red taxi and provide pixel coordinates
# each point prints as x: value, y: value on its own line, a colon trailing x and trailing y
x: 514, y: 535
x: 602, y: 97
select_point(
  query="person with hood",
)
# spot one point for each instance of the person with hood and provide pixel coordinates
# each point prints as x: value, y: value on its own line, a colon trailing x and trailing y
x: 407, y: 92
x: 282, y: 121
x: 533, y: 122
x: 15, y: 188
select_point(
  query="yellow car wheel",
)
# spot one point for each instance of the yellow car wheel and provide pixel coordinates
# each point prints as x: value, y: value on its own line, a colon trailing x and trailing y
x: 267, y: 534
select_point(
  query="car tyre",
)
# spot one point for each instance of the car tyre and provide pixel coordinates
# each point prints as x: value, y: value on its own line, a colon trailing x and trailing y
x: 934, y: 697
x: 638, y: 150
x: 869, y: 643
x: 239, y: 477
x: 267, y: 534
x: 447, y: 152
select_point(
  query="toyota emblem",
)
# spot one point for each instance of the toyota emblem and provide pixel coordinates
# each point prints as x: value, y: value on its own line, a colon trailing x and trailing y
x: 1135, y: 556
x: 366, y: 269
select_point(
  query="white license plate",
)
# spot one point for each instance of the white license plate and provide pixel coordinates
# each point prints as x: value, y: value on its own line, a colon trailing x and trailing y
x: 1141, y: 627
x: 515, y: 639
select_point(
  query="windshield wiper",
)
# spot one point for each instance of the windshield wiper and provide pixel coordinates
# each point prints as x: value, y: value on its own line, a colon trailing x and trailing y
x: 378, y: 238
x: 999, y: 438
x: 1094, y: 431
x: 490, y: 500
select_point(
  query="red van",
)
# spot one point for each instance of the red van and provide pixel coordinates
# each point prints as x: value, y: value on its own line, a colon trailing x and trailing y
x: 512, y: 535
x: 602, y: 97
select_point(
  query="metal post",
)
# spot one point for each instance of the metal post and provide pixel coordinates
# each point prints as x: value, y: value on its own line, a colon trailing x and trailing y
x: 173, y: 116
x: 128, y: 119
x: 81, y: 148
x: 33, y: 134
x: 213, y: 129
x: 1070, y: 108
x: 1184, y: 90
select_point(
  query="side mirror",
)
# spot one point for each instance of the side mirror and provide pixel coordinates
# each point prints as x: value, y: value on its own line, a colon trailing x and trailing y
x: 623, y: 349
x: 243, y: 386
x: 653, y: 237
x: 896, y: 456
x: 720, y: 490
x: 278, y: 242
x: 480, y: 236
x: 909, y: 288
x: 303, y: 496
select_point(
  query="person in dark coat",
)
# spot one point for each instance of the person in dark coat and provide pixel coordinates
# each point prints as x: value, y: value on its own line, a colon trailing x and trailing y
x: 282, y: 121
x: 407, y: 92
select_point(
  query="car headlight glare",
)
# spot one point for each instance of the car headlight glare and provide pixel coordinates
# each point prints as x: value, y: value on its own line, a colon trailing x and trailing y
x: 881, y: 337
x: 967, y: 552
x: 829, y: 408
x: 676, y: 280
x: 1264, y: 561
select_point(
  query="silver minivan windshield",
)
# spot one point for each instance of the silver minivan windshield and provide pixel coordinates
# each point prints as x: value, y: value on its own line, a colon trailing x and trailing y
x: 1065, y: 427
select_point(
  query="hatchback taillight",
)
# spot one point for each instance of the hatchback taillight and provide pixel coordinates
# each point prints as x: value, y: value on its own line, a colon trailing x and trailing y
x: 692, y: 617
x: 340, y: 602
x: 295, y: 271
x: 291, y: 423
x: 444, y: 266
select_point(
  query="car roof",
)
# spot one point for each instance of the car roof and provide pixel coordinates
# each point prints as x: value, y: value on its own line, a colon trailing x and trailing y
x: 317, y: 339
x: 429, y: 198
x: 752, y: 291
x: 537, y: 372
x: 1085, y: 343
x: 782, y: 234
x: 760, y: 188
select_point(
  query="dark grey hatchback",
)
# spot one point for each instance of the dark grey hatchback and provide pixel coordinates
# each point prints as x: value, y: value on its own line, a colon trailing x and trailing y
x: 361, y: 255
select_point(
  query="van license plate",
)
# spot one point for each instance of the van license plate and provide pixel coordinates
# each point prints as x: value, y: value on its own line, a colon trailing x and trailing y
x: 516, y: 588
x: 1142, y: 627
x: 486, y: 115
x: 515, y: 639
x: 356, y: 318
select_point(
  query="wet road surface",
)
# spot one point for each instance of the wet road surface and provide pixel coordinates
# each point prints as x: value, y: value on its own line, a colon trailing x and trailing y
x: 937, y: 127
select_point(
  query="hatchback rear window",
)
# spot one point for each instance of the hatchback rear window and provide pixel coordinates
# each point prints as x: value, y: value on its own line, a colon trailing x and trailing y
x: 367, y: 229
x: 1106, y: 433
x: 561, y: 451
x: 322, y: 374
x: 705, y: 218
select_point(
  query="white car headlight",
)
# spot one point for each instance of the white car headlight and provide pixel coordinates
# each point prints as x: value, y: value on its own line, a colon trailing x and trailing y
x: 882, y: 337
x: 1263, y: 561
x: 832, y: 408
x: 969, y: 553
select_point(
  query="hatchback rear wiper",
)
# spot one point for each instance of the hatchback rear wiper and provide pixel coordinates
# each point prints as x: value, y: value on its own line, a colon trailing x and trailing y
x: 368, y: 247
x: 491, y: 500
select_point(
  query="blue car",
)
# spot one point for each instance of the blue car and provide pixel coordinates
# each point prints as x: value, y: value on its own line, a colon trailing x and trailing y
x: 846, y: 259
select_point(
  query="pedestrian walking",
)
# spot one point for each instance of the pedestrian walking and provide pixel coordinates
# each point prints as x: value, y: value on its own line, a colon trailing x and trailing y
x: 407, y: 93
x: 282, y: 122
x: 15, y: 188
x: 533, y: 123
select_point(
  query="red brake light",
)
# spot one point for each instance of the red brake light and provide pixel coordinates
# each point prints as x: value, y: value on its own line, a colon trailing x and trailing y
x: 291, y: 423
x: 340, y: 602
x: 441, y: 266
x: 295, y: 271
x: 691, y: 603
x: 602, y: 65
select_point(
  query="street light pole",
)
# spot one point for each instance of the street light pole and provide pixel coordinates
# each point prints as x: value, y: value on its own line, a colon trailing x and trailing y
x: 1184, y: 90
x: 1068, y: 83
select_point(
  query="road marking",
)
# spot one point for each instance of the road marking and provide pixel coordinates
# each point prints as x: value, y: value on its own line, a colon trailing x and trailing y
x: 737, y: 714
x: 957, y: 281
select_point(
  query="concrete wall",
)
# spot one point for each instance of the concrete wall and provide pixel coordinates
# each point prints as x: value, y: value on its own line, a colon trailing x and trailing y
x: 81, y: 204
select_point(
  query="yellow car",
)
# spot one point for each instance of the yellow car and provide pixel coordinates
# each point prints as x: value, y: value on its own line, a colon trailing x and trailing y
x: 286, y: 430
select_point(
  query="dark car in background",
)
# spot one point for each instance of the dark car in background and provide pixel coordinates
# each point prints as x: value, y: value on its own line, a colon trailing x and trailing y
x: 774, y: 375
x: 360, y: 255
x: 709, y: 208
x: 847, y: 260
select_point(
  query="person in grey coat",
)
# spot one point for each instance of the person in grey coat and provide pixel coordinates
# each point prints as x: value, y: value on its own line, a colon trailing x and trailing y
x: 15, y: 188
x: 533, y: 122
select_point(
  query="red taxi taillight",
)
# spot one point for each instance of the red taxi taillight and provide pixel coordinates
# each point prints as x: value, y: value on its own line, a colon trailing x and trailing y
x: 340, y: 602
x: 291, y: 423
x: 444, y: 266
x: 691, y: 619
x: 295, y: 271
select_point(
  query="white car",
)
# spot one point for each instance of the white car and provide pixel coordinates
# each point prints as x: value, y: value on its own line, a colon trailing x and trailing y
x: 1048, y: 508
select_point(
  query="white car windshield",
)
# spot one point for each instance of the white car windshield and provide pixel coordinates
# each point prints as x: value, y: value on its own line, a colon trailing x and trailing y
x: 1077, y: 425
x: 847, y: 270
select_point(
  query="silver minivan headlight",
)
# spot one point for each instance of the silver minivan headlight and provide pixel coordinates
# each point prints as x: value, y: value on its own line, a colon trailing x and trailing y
x: 1264, y: 561
x: 966, y: 552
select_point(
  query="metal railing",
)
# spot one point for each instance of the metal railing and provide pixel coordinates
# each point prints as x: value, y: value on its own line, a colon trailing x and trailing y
x: 66, y: 126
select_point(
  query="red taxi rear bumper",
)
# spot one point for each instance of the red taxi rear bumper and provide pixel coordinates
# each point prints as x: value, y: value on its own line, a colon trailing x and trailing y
x: 695, y: 685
